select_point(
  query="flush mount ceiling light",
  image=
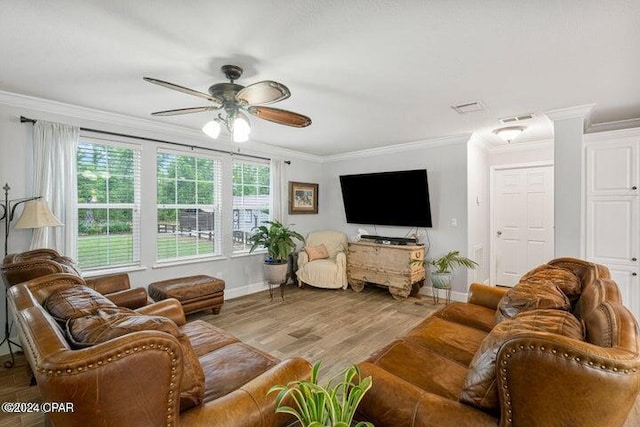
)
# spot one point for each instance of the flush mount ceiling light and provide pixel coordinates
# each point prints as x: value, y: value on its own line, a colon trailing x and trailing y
x: 233, y: 100
x: 509, y: 133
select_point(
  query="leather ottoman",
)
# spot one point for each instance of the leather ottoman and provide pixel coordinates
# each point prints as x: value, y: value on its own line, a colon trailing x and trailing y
x: 195, y: 293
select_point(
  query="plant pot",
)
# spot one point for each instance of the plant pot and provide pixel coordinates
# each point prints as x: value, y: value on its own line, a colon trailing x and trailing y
x: 276, y: 273
x: 441, y: 280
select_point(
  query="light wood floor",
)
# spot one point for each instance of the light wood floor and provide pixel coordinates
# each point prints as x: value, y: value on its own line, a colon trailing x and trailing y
x: 335, y: 326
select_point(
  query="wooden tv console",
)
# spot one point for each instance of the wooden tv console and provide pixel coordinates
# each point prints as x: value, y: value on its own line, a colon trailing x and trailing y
x: 387, y: 265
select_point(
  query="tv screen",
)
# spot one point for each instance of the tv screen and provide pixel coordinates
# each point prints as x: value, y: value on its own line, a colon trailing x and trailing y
x: 387, y: 198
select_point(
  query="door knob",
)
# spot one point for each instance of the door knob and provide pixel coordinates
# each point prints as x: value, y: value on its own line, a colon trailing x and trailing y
x: 499, y: 233
x: 634, y: 259
x: 634, y: 187
x: 634, y: 274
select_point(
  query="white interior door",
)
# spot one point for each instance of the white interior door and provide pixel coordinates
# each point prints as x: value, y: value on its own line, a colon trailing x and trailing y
x: 523, y: 221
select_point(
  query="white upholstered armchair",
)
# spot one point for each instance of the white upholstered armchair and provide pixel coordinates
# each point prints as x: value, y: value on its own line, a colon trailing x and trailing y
x: 324, y: 268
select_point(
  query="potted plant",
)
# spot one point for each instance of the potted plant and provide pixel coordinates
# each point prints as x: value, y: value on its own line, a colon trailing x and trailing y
x: 278, y: 240
x: 441, y: 277
x: 333, y: 405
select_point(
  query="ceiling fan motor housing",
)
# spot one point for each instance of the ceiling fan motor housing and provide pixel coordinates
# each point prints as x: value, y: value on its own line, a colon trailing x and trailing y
x: 225, y: 92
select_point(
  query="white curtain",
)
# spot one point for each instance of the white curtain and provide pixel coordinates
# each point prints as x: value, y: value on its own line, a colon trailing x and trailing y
x: 54, y: 170
x: 279, y: 207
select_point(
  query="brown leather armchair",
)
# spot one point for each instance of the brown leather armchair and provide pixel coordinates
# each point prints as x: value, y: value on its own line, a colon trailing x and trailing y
x: 22, y: 267
x: 191, y: 374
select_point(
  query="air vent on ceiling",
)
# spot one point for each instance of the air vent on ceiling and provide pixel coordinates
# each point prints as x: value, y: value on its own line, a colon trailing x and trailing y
x: 515, y: 119
x: 468, y: 107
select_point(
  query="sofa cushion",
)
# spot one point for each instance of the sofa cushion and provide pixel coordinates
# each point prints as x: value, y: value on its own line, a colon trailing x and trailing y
x: 231, y: 367
x: 473, y: 315
x: 533, y: 293
x: 453, y: 340
x: 109, y: 323
x: 75, y: 301
x: 422, y: 367
x: 563, y: 278
x: 480, y: 387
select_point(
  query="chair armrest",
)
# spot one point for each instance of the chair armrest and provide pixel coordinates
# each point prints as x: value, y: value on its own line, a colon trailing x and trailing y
x: 142, y: 368
x: 250, y: 402
x: 129, y: 298
x: 391, y: 399
x: 572, y: 380
x: 341, y: 262
x: 169, y: 307
x: 486, y: 296
x: 303, y: 259
x: 109, y: 284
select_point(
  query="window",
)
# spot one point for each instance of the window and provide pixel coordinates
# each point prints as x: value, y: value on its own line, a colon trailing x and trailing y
x: 108, y: 196
x: 188, y: 196
x: 251, y: 198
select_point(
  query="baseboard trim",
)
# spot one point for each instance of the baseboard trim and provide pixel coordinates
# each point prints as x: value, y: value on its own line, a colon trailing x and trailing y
x: 249, y: 289
x: 455, y: 295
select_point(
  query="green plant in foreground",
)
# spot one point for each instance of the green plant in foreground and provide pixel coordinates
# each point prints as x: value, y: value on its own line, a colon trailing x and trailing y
x: 328, y: 406
x: 276, y: 238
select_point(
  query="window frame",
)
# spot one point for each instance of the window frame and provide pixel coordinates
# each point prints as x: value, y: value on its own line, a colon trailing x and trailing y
x: 217, y: 207
x: 136, y: 206
x: 242, y: 218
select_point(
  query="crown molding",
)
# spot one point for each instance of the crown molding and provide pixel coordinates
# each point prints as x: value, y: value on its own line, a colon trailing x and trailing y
x: 77, y: 114
x: 605, y: 135
x: 462, y: 138
x: 618, y: 125
x: 522, y: 146
x: 580, y: 111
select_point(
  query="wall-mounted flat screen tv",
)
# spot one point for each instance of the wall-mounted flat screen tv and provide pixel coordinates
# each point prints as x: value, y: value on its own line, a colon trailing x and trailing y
x: 398, y: 198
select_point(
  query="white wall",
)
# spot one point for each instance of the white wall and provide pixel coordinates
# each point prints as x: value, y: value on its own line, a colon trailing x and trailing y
x: 525, y: 152
x: 478, y: 209
x: 446, y: 164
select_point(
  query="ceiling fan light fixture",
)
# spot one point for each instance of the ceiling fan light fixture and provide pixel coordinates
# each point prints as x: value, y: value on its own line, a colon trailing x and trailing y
x: 509, y: 133
x: 241, y: 128
x: 211, y: 129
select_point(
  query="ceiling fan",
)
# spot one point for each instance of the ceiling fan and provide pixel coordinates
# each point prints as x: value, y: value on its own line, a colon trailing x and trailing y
x: 234, y: 100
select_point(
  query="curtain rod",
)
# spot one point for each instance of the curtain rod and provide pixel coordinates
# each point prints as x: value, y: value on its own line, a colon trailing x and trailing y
x: 24, y: 119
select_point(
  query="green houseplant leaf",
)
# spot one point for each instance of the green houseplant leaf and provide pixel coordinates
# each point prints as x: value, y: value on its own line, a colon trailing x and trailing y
x: 332, y: 405
x: 276, y: 238
x: 448, y: 262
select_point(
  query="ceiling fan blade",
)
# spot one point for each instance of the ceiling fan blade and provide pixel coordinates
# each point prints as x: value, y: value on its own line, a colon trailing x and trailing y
x: 265, y: 92
x: 184, y: 111
x: 279, y: 116
x: 183, y: 89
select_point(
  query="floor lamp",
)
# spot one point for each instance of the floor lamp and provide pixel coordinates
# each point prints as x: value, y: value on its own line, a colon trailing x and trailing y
x: 36, y: 214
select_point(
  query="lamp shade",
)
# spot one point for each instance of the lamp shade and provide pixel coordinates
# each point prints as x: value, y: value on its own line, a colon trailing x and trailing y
x: 36, y: 214
x: 211, y: 129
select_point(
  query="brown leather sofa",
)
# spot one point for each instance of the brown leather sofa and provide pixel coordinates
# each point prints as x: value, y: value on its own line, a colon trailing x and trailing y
x: 145, y: 367
x: 558, y: 349
x: 21, y: 267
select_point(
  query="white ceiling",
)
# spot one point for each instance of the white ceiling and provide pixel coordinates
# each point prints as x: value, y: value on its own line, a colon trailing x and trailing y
x: 370, y: 73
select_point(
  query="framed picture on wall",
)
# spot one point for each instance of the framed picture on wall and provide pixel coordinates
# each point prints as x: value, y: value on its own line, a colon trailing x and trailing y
x: 303, y: 198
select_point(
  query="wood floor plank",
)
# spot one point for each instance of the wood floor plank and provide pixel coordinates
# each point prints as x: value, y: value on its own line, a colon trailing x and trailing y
x: 339, y: 327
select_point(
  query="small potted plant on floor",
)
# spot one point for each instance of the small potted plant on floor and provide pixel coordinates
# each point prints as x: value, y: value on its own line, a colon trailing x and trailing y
x: 278, y: 240
x: 333, y: 405
x: 441, y: 277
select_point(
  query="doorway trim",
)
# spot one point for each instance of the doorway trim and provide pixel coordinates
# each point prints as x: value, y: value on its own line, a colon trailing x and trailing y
x: 492, y: 204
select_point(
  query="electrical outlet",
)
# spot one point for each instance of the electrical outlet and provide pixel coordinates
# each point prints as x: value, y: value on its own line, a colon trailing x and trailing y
x: 454, y: 222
